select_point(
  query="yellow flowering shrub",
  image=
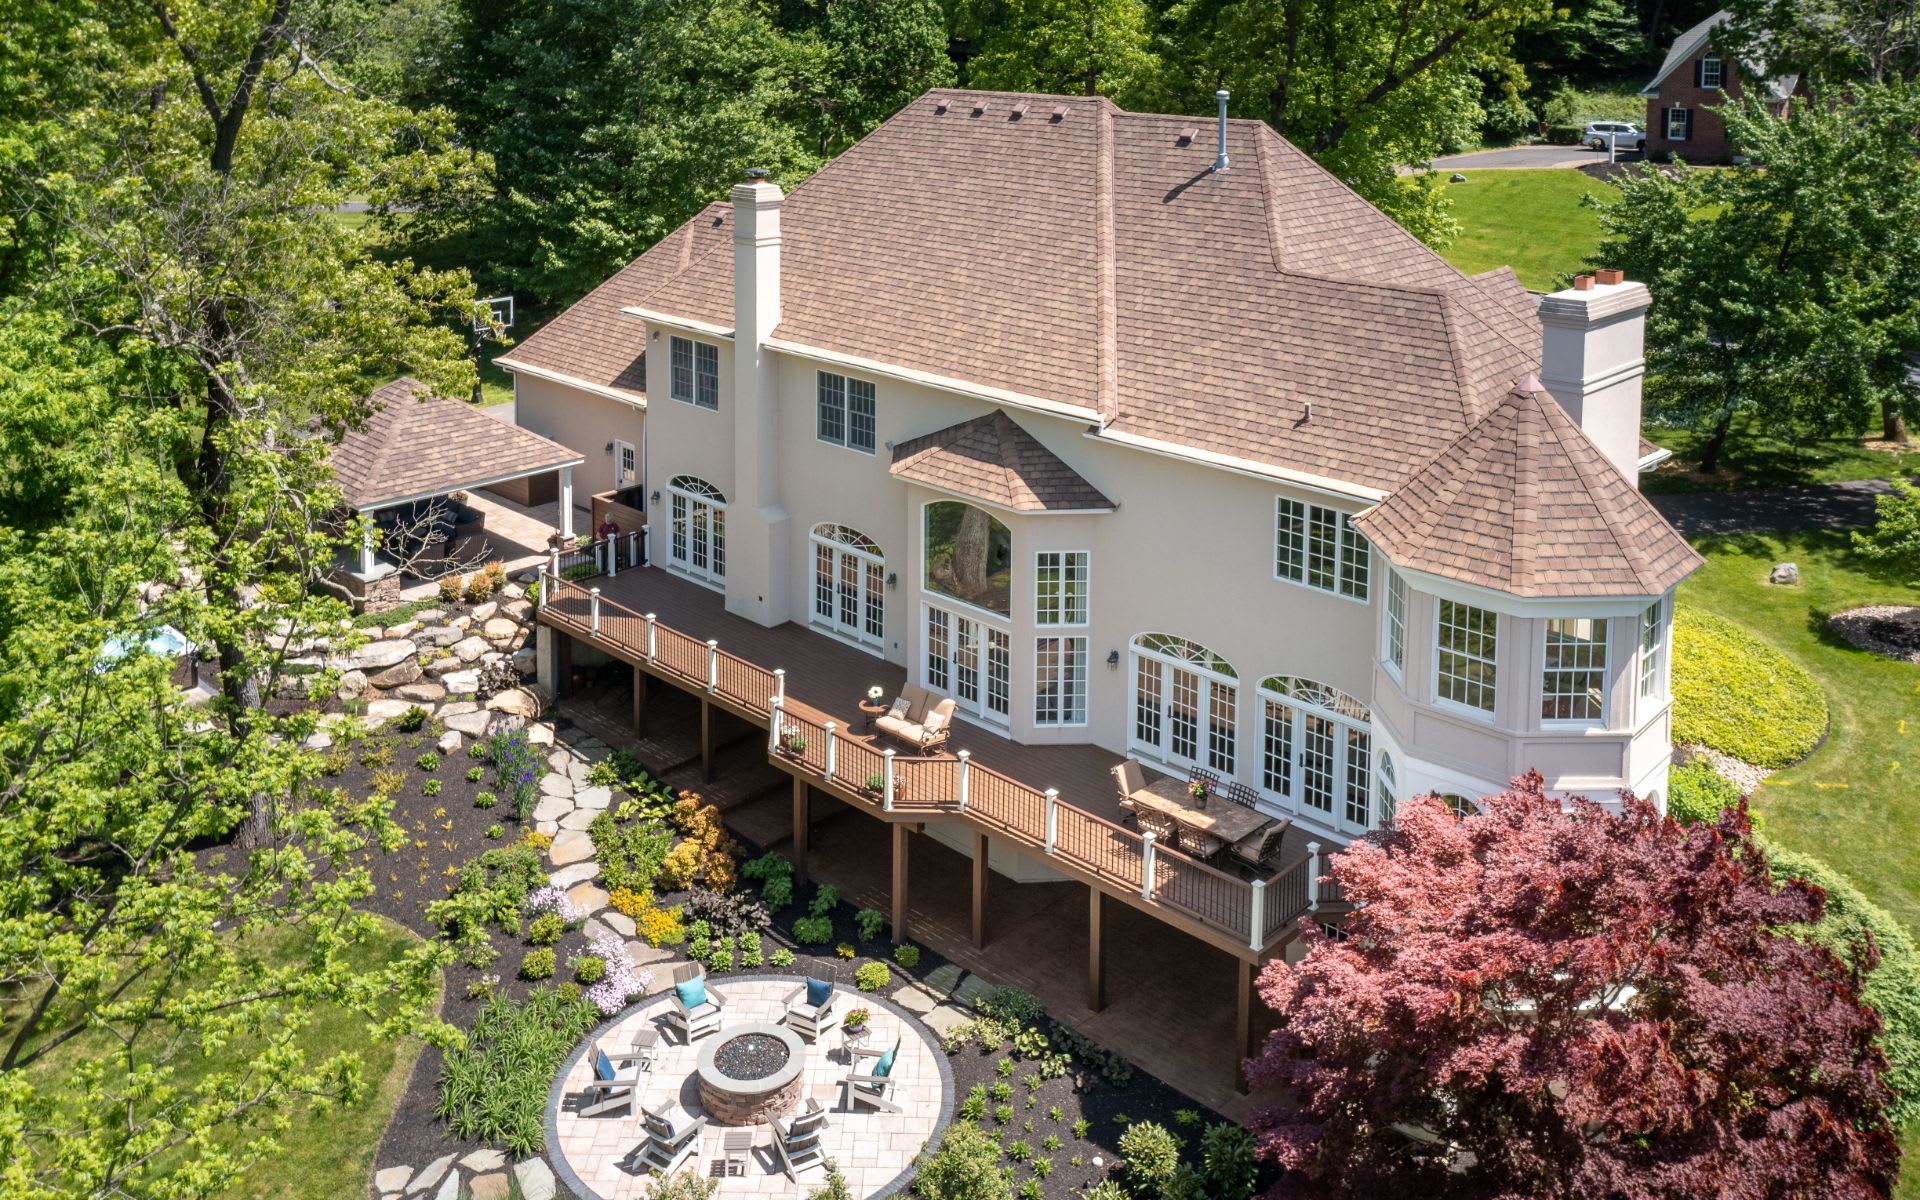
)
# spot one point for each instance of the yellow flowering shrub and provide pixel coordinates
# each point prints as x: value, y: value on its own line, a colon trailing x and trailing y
x: 662, y: 926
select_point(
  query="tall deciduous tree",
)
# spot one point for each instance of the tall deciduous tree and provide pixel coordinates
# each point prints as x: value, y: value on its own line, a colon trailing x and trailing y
x: 1787, y: 288
x: 1068, y: 47
x: 1548, y: 1000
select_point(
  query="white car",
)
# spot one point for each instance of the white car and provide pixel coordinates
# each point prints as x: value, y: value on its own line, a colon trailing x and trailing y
x: 1621, y: 135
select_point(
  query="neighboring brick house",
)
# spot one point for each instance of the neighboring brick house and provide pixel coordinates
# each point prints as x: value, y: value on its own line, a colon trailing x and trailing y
x: 1691, y: 84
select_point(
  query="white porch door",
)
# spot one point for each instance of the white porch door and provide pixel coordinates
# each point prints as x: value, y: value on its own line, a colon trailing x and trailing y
x: 626, y: 465
x: 849, y: 586
x: 1183, y: 715
x: 971, y: 661
x: 697, y: 541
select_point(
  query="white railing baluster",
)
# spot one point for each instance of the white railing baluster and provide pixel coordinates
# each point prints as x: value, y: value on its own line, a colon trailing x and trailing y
x: 713, y: 665
x: 966, y: 766
x: 886, y: 780
x: 1313, y: 876
x: 652, y: 628
x: 1053, y: 819
x: 780, y: 682
x: 1257, y: 913
x: 593, y: 597
x: 830, y: 748
x: 1146, y: 866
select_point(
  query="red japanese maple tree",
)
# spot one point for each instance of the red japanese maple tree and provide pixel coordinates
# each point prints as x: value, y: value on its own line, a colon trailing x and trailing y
x: 1534, y: 1002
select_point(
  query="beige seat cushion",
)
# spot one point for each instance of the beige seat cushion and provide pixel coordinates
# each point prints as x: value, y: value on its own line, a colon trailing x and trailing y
x: 940, y: 717
x: 905, y: 730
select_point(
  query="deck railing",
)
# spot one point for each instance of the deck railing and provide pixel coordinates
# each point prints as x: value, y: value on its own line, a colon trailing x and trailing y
x: 1255, y: 916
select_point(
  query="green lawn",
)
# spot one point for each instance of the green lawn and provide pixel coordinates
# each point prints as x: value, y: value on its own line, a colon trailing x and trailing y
x: 324, y: 1156
x: 1532, y: 221
x: 1854, y: 802
x: 1756, y: 459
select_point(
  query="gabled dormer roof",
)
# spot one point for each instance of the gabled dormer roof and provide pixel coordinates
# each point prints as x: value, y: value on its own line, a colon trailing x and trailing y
x: 992, y: 458
x: 1524, y: 504
x: 1694, y: 40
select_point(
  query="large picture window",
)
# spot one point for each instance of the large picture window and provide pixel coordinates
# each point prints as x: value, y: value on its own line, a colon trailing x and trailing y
x: 1316, y: 751
x: 1060, y: 587
x: 1573, y: 682
x: 846, y: 412
x: 1060, y: 681
x: 969, y: 556
x: 1320, y: 548
x: 1467, y: 645
x: 695, y: 373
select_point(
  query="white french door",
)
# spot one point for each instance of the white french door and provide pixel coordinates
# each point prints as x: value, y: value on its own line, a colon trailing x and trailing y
x: 697, y: 530
x: 849, y: 585
x: 1185, y: 714
x: 970, y: 660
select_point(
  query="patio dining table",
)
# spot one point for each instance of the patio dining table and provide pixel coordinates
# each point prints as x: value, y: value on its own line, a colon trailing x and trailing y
x: 1222, y: 820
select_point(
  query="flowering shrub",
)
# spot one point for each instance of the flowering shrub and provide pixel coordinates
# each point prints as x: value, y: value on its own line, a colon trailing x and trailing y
x: 661, y: 927
x: 517, y: 765
x: 621, y: 979
x: 535, y: 840
x: 707, y: 852
x: 629, y: 903
x: 551, y: 899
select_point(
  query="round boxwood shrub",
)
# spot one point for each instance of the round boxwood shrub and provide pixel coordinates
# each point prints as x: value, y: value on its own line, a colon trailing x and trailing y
x: 538, y: 964
x: 1734, y: 693
x: 1892, y: 988
x: 871, y: 977
x: 1697, y: 792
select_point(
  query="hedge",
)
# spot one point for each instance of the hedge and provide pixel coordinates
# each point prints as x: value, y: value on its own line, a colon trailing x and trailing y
x: 1697, y: 792
x: 1892, y: 988
x: 1734, y: 693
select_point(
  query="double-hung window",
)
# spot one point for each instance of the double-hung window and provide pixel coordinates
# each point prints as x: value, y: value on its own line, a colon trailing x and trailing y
x: 1467, y: 645
x: 1653, y: 650
x: 1710, y: 73
x: 1060, y: 681
x: 1573, y: 681
x: 1679, y: 124
x: 695, y: 373
x: 1396, y: 647
x: 845, y: 412
x: 1060, y: 587
x: 1320, y: 548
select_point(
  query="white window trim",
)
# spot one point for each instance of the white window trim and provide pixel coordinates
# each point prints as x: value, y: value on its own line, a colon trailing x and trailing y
x: 1606, y: 678
x: 832, y: 627
x: 686, y: 570
x: 1345, y: 537
x: 621, y: 448
x: 1339, y: 761
x: 1396, y: 582
x: 1440, y: 700
x: 980, y: 714
x: 941, y: 599
x: 1663, y: 653
x: 1668, y: 131
x: 845, y: 440
x: 692, y: 399
x: 1086, y: 675
x: 1207, y: 675
x: 1086, y: 589
x: 1719, y: 72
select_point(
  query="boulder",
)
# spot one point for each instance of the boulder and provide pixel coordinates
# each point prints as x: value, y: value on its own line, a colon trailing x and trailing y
x: 481, y: 612
x: 1456, y: 177
x: 379, y: 712
x: 430, y: 616
x: 535, y: 1178
x: 317, y: 741
x: 454, y: 708
x: 353, y: 685
x: 399, y: 673
x: 519, y: 702
x: 539, y: 735
x: 1785, y: 573
x: 571, y: 846
x: 421, y: 693
x: 438, y: 635
x: 469, y: 649
x: 462, y: 622
x: 437, y: 667
x: 517, y: 609
x: 499, y: 629
x: 449, y: 742
x: 525, y: 660
x: 512, y: 591
x: 403, y: 629
x: 461, y: 683
x: 472, y: 723
x: 376, y: 656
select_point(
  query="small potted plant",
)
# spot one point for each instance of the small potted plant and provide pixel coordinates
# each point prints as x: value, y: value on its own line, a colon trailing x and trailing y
x: 1199, y: 789
x: 856, y: 1019
x: 795, y: 744
x: 877, y: 783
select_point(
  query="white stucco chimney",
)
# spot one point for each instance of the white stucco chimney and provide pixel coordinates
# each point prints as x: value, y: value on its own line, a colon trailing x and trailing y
x: 1591, y: 361
x: 757, y: 550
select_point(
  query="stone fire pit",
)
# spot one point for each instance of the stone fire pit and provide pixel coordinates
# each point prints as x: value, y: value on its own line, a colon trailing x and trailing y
x: 750, y: 1073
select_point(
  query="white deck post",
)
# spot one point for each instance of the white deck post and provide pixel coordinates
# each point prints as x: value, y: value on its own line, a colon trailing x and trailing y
x: 566, y: 502
x: 633, y: 547
x: 780, y: 682
x: 886, y: 776
x: 713, y: 665
x: 594, y: 598
x: 966, y: 765
x: 613, y: 558
x: 1053, y: 818
x: 773, y: 725
x: 652, y: 628
x: 1146, y: 866
x: 554, y: 568
x: 830, y: 746
x: 1313, y: 876
x: 1257, y: 913
x: 366, y: 547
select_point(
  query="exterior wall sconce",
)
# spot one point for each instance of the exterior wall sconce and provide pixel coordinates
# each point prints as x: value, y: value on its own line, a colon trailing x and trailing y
x: 1113, y: 660
x: 893, y: 581
x: 655, y: 498
x: 609, y: 449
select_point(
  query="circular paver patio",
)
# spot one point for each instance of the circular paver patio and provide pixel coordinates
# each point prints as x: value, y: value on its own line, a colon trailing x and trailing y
x: 597, y: 1157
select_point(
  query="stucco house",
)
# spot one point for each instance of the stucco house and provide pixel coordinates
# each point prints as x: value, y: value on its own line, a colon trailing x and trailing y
x: 1693, y: 80
x: 1132, y: 436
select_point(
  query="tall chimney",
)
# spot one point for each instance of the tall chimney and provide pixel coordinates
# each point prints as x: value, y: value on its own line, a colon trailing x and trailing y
x: 757, y: 550
x: 1220, y: 160
x: 1592, y: 343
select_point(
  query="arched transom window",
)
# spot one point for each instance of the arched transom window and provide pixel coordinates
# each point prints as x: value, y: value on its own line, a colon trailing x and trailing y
x: 1186, y: 703
x: 697, y: 529
x: 849, y: 584
x: 1316, y: 751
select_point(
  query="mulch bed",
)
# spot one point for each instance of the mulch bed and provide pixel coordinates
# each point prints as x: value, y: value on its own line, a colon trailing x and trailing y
x: 1889, y: 630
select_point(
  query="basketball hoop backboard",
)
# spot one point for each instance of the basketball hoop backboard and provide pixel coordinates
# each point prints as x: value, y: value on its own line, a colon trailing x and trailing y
x: 499, y: 316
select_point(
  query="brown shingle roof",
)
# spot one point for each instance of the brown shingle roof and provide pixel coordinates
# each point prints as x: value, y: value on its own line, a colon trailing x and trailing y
x: 1097, y: 261
x: 416, y: 444
x: 991, y: 458
x: 1523, y: 503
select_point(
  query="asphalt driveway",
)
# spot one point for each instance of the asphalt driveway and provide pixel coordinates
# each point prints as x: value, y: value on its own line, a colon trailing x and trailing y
x: 1525, y: 157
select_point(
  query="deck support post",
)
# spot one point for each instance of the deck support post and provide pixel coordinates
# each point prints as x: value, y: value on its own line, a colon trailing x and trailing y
x: 901, y: 831
x: 1313, y: 876
x: 562, y: 663
x: 1096, y: 960
x: 802, y: 828
x: 639, y: 700
x: 1147, y: 864
x: 1243, y: 976
x: 831, y: 742
x: 980, y: 850
x: 593, y: 599
x: 706, y: 740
